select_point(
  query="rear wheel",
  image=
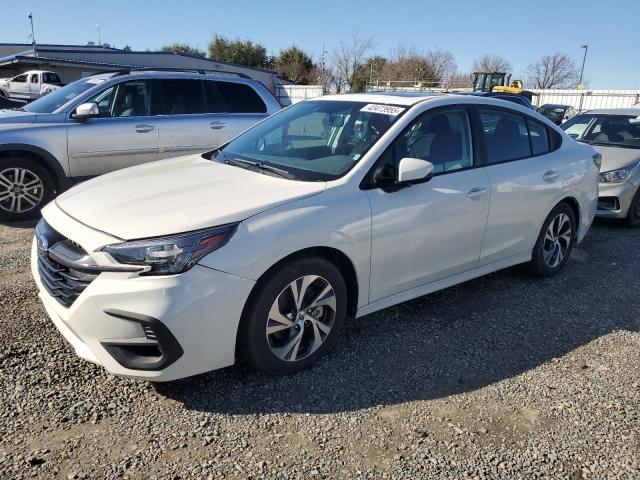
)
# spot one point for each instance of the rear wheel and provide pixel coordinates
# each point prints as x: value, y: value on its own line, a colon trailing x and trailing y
x: 555, y: 241
x: 294, y: 318
x: 25, y: 187
x: 633, y: 215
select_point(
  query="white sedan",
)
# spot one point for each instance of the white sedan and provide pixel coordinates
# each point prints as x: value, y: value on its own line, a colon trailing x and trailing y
x: 331, y: 209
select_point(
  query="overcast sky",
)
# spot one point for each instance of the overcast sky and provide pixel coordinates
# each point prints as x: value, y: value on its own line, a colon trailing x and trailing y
x: 522, y: 32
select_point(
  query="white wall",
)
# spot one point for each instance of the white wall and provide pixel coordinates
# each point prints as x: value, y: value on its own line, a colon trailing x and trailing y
x: 290, y: 94
x: 587, y: 99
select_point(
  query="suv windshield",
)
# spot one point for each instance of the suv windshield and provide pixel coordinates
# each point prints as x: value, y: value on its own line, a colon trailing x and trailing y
x: 599, y: 129
x: 54, y: 100
x: 315, y: 140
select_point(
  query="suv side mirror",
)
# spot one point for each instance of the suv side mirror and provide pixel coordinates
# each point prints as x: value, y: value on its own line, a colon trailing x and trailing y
x: 414, y: 170
x: 85, y: 111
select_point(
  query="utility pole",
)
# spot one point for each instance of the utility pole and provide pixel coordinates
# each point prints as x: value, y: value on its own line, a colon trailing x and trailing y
x: 584, y: 59
x: 33, y: 36
x: 99, y: 39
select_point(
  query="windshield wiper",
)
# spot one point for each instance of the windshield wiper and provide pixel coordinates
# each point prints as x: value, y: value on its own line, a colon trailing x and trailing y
x: 240, y: 162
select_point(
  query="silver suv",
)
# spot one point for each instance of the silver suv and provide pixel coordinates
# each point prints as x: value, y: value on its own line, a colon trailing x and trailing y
x: 115, y: 120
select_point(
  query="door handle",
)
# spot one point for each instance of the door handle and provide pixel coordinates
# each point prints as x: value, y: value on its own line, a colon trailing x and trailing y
x: 550, y: 175
x: 144, y: 128
x: 477, y: 192
x: 217, y: 125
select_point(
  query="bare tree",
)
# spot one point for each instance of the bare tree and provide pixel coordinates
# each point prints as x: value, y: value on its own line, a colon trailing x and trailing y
x: 459, y: 80
x: 552, y: 71
x: 491, y: 63
x: 346, y: 59
x: 409, y: 63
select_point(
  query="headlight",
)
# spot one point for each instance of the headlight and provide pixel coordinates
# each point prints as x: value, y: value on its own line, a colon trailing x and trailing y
x: 172, y: 254
x: 620, y: 175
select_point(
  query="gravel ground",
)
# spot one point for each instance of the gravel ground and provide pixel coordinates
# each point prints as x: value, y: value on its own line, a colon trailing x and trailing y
x: 503, y: 377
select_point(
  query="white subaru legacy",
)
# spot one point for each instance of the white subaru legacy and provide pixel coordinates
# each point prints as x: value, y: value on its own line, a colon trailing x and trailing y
x: 331, y: 209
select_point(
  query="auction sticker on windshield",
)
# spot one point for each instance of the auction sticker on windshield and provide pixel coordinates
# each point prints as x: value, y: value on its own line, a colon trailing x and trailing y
x: 384, y: 109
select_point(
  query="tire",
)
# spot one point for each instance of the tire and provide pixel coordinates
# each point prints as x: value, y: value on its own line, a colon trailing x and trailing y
x: 633, y: 215
x: 271, y: 306
x: 552, y: 249
x: 25, y: 187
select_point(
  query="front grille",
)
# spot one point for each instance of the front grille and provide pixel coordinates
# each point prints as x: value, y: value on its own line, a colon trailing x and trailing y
x: 63, y: 283
x: 64, y: 266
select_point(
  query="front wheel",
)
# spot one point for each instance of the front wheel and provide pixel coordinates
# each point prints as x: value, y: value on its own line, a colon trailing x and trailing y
x: 633, y: 215
x: 294, y: 317
x: 25, y: 187
x: 555, y: 242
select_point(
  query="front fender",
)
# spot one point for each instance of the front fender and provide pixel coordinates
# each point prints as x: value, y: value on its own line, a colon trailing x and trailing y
x: 338, y: 218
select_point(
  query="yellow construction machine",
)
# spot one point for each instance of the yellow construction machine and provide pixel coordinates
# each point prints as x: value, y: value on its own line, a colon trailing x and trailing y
x: 499, y: 82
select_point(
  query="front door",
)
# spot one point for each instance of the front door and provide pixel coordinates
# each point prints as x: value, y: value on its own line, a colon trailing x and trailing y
x: 429, y: 231
x: 124, y: 134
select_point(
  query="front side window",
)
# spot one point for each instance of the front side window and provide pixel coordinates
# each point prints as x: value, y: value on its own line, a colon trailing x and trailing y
x: 20, y: 79
x: 315, y: 140
x: 505, y: 136
x: 126, y: 99
x: 599, y: 129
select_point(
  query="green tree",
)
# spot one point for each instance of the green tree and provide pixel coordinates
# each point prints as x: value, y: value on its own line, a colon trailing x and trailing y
x: 370, y: 70
x: 185, y: 49
x: 245, y: 52
x: 127, y: 48
x: 295, y: 65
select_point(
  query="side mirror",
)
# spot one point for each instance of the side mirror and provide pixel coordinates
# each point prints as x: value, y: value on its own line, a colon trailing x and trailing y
x: 414, y: 170
x: 85, y: 111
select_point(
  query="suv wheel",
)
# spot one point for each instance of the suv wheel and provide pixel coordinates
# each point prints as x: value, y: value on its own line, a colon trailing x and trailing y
x: 555, y: 242
x: 633, y: 215
x: 295, y: 317
x: 25, y: 187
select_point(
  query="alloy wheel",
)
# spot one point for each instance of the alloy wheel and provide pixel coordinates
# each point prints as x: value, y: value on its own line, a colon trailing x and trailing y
x: 301, y: 318
x: 557, y: 240
x: 21, y: 190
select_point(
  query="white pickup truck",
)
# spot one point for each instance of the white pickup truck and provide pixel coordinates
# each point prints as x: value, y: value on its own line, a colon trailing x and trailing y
x: 30, y: 85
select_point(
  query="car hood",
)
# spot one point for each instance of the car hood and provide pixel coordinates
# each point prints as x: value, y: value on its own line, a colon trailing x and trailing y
x: 616, y: 157
x: 16, y: 117
x: 177, y: 195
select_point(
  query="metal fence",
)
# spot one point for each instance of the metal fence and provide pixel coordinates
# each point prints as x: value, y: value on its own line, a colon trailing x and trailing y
x: 588, y: 99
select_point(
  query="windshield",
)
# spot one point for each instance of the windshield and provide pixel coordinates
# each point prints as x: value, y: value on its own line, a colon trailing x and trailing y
x: 315, y: 140
x: 54, y: 100
x: 614, y: 130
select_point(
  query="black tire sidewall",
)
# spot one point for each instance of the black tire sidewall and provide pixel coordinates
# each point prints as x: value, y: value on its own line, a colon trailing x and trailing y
x: 537, y: 264
x: 631, y: 219
x: 47, y: 183
x: 252, y: 340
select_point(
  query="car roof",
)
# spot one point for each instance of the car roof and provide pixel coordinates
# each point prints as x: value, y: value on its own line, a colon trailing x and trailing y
x: 555, y: 105
x: 615, y: 111
x: 395, y: 98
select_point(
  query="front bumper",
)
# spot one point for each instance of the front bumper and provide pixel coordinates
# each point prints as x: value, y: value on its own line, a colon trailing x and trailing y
x: 200, y: 309
x: 614, y: 199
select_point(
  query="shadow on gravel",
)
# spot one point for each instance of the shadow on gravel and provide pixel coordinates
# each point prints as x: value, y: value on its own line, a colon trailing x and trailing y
x: 453, y: 341
x: 23, y: 224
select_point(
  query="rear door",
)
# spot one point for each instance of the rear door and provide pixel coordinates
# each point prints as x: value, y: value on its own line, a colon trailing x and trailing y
x: 125, y: 133
x: 243, y: 107
x: 526, y: 180
x: 33, y: 86
x: 185, y: 125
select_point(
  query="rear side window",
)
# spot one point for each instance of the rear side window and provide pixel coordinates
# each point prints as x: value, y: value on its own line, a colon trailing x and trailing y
x: 506, y: 136
x: 34, y: 78
x: 539, y: 137
x: 214, y: 101
x: 182, y: 97
x: 240, y: 98
x: 50, y: 78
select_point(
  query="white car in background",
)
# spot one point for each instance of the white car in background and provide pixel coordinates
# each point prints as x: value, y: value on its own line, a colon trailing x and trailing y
x: 30, y: 85
x: 615, y: 133
x: 332, y: 208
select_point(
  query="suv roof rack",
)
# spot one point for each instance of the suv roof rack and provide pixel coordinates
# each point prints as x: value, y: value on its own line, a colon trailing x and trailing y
x: 201, y: 71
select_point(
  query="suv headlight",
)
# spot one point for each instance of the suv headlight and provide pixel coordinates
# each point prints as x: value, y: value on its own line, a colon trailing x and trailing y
x: 620, y: 175
x: 172, y: 254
